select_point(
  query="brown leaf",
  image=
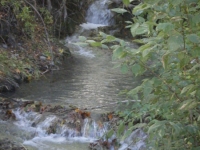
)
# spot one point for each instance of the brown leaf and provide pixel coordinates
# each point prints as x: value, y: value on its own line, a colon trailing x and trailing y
x: 17, y: 71
x: 84, y: 114
x: 110, y: 116
x: 10, y: 114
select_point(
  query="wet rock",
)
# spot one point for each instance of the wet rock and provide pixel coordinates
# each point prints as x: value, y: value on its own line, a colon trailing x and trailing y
x: 43, y: 58
x: 108, y: 29
x: 55, y: 126
x: 59, y: 110
x: 6, y: 87
x: 6, y: 144
x: 38, y: 106
x: 136, y: 141
x: 11, y: 103
x: 17, y: 78
x: 11, y: 41
x: 7, y: 84
x: 66, y: 52
x: 5, y: 46
x: 9, y: 115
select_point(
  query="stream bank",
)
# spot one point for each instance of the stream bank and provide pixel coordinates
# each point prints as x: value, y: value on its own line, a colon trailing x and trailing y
x: 29, y: 45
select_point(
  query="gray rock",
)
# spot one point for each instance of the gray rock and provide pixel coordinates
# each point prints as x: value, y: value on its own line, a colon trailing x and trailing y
x: 14, y: 55
x: 43, y: 58
x: 11, y: 40
x: 136, y: 141
x: 5, y: 46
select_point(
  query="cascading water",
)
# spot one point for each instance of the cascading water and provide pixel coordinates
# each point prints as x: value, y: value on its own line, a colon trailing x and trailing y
x: 50, y: 131
x: 98, y: 13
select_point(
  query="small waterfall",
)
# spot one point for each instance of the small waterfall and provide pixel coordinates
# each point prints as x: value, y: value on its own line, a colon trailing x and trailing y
x: 93, y: 129
x: 45, y: 132
x: 98, y: 13
x: 42, y: 130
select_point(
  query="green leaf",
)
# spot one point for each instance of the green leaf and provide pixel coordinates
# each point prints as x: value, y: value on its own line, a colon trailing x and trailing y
x: 196, y: 148
x: 82, y: 38
x: 135, y: 90
x: 120, y: 130
x: 139, y: 125
x: 81, y: 44
x: 155, y: 126
x: 194, y: 68
x: 142, y: 29
x: 124, y: 68
x: 140, y: 19
x: 176, y: 127
x: 114, y: 47
x: 187, y: 88
x: 134, y: 29
x: 126, y: 2
x: 161, y: 132
x: 166, y: 27
x: 139, y: 41
x: 146, y: 52
x: 192, y: 129
x: 122, y: 43
x: 109, y: 134
x: 129, y: 22
x: 104, y: 35
x: 153, y: 1
x: 90, y: 41
x: 110, y: 38
x: 119, y: 10
x: 196, y: 18
x: 139, y: 9
x: 127, y: 134
x: 186, y: 104
x: 165, y: 60
x: 136, y: 69
x: 147, y: 88
x: 105, y: 46
x: 175, y: 42
x: 117, y: 52
x: 183, y: 59
x: 176, y: 2
x: 96, y: 44
x: 193, y: 38
x: 144, y: 47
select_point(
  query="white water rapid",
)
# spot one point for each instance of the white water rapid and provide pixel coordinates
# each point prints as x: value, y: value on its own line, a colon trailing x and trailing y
x: 49, y: 132
x: 98, y: 13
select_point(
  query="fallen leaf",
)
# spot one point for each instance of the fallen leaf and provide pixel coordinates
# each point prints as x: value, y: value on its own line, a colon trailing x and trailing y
x: 110, y: 116
x: 17, y: 71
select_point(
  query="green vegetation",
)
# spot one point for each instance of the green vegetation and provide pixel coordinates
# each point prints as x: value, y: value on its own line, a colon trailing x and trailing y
x: 168, y: 33
x: 19, y: 24
x: 27, y: 36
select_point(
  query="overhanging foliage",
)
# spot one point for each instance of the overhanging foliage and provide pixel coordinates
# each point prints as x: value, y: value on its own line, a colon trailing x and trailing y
x: 169, y: 35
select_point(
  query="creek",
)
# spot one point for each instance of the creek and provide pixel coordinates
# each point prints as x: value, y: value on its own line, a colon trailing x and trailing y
x: 87, y: 80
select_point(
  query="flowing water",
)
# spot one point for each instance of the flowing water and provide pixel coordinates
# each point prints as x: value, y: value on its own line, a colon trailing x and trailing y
x: 86, y: 80
x: 98, y: 13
